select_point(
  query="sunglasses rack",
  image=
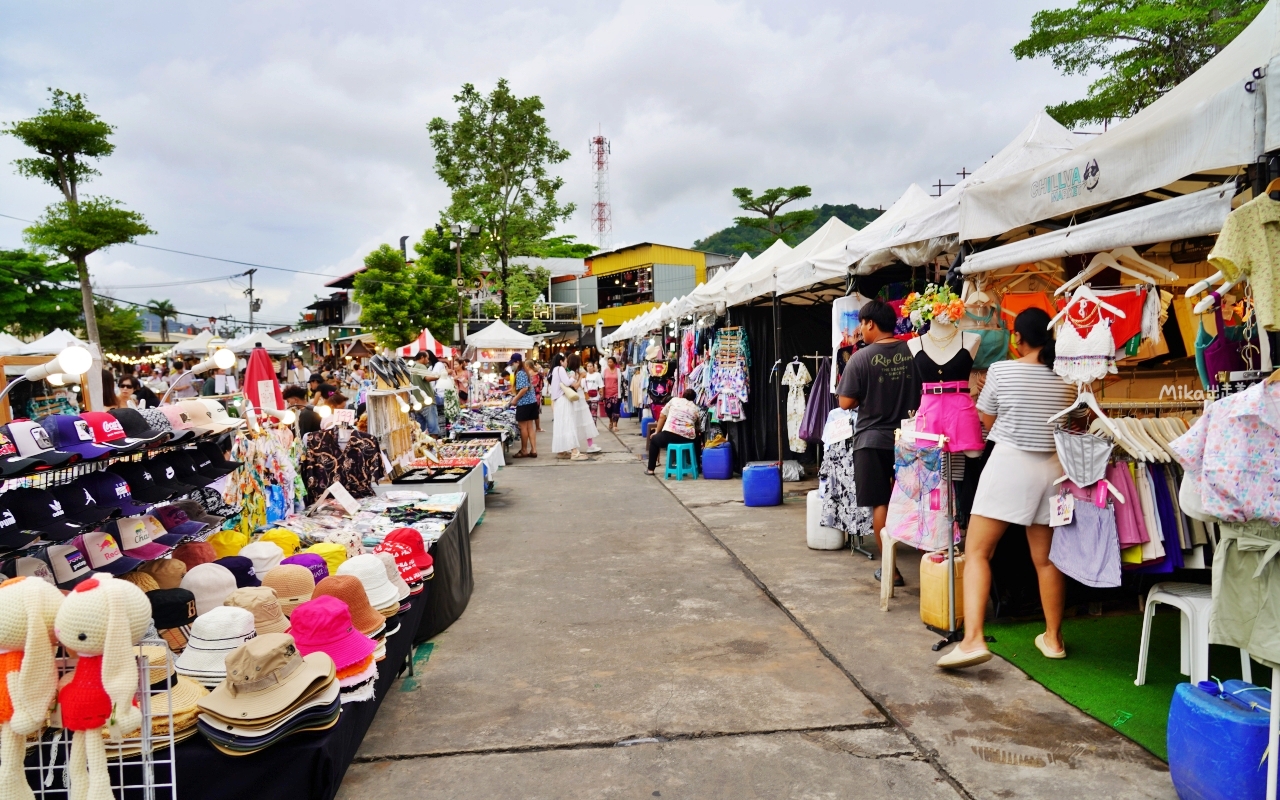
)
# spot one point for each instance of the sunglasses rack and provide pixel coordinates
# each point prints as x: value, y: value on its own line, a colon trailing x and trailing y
x: 142, y: 765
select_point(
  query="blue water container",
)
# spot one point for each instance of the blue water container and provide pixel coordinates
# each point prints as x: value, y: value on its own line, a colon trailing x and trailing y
x: 717, y: 462
x: 1216, y: 741
x: 762, y: 484
x: 645, y: 424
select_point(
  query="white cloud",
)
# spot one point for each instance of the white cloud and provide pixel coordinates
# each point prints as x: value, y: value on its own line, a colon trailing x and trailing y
x: 293, y: 134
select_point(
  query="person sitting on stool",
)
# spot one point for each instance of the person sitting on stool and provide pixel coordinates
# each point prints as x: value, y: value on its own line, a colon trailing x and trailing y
x: 681, y: 418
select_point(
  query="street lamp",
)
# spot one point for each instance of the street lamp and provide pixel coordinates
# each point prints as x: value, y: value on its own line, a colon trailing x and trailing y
x: 460, y: 232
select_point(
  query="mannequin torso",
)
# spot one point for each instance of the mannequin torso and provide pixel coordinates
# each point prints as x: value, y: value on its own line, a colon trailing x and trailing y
x: 944, y: 342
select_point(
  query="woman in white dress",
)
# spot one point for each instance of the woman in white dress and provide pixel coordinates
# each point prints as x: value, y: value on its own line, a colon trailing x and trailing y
x: 564, y: 434
x: 587, y: 431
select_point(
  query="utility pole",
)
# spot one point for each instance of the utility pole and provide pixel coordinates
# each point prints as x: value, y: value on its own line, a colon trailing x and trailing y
x: 253, y: 304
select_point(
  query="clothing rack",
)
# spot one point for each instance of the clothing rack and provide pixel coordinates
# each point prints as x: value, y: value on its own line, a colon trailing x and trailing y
x: 1151, y: 405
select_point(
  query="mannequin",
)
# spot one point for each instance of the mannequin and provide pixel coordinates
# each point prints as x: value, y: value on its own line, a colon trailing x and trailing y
x: 941, y: 342
x: 944, y: 358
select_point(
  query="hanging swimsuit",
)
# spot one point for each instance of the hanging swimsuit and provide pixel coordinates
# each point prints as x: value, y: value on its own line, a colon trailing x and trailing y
x: 995, y: 341
x: 946, y: 406
x: 1085, y: 359
x: 1084, y: 456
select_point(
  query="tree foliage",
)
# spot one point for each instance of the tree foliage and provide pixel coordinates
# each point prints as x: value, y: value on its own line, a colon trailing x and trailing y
x: 397, y: 300
x: 165, y: 311
x: 64, y: 135
x: 772, y: 220
x: 752, y: 240
x: 119, y: 326
x: 36, y: 294
x: 566, y: 246
x: 495, y: 158
x: 522, y: 288
x: 1142, y: 48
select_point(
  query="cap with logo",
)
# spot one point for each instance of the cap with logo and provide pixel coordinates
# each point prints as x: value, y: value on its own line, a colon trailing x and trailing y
x: 168, y: 572
x: 242, y: 569
x: 176, y: 521
x: 12, y: 462
x: 13, y: 534
x: 158, y: 420
x: 184, y: 469
x: 202, y: 417
x: 68, y: 563
x: 219, y: 414
x: 32, y: 567
x: 110, y: 490
x: 103, y: 554
x: 172, y: 610
x: 180, y: 419
x: 80, y: 506
x: 217, y: 460
x: 167, y: 476
x: 143, y: 480
x: 108, y: 432
x: 413, y: 539
x: 33, y: 442
x: 315, y: 564
x: 38, y: 510
x: 137, y: 537
x: 137, y: 428
x: 71, y: 434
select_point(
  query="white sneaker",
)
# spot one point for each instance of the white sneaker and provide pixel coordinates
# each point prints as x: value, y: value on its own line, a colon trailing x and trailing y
x: 594, y: 450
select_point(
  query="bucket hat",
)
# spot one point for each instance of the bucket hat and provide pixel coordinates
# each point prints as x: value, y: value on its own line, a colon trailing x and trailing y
x: 242, y: 569
x: 349, y: 590
x: 293, y: 585
x: 333, y: 554
x: 39, y: 510
x: 393, y: 574
x: 80, y: 506
x: 262, y: 603
x: 373, y: 576
x: 103, y: 554
x: 71, y: 434
x: 267, y: 676
x: 195, y: 553
x: 228, y: 542
x: 214, y: 635
x: 110, y: 490
x: 410, y: 537
x: 33, y: 442
x: 315, y: 564
x: 286, y: 540
x: 168, y: 572
x: 211, y: 584
x: 264, y: 555
x: 137, y: 428
x: 176, y: 522
x: 324, y: 625
x: 108, y: 432
x: 69, y: 565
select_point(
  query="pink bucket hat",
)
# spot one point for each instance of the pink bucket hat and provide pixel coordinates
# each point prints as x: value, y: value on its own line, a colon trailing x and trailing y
x: 324, y: 625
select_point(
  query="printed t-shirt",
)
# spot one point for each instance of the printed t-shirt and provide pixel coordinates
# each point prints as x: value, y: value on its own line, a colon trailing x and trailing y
x: 682, y: 418
x: 881, y: 377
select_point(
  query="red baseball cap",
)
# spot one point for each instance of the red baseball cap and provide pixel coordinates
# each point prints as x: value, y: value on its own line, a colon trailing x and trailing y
x: 413, y: 539
x: 406, y: 564
x: 108, y: 432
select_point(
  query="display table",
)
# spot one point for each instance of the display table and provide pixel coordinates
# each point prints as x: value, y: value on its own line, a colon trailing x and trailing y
x: 450, y: 590
x: 472, y: 483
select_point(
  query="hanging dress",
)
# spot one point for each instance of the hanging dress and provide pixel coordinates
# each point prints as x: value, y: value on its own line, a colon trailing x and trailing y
x: 797, y: 377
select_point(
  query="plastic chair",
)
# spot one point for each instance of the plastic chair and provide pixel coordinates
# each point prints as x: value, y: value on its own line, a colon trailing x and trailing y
x: 1195, y: 601
x: 680, y: 461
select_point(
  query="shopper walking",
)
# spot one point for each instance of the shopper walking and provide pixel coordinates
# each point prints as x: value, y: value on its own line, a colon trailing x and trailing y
x: 564, y: 436
x: 581, y: 408
x: 880, y: 383
x: 1016, y: 485
x: 539, y: 377
x: 526, y: 406
x: 612, y: 393
x: 593, y: 388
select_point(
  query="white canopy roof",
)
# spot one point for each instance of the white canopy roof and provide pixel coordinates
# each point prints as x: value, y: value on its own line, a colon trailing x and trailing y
x: 51, y: 344
x: 500, y: 336
x: 931, y: 230
x: 833, y: 233
x: 1198, y: 214
x: 10, y: 345
x: 834, y: 262
x: 247, y: 343
x: 197, y: 345
x: 756, y: 279
x: 1210, y: 121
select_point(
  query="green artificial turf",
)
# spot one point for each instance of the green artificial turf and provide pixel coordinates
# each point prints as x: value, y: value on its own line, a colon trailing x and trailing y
x: 1102, y: 663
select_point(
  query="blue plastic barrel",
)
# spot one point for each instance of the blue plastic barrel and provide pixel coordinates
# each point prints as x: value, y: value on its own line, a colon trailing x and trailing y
x: 717, y: 462
x: 645, y: 424
x: 1216, y: 744
x: 762, y: 484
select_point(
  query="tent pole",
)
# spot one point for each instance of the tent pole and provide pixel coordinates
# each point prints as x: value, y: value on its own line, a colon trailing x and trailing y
x: 777, y: 363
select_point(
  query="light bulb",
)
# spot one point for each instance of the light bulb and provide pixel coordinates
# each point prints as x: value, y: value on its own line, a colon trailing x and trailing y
x: 323, y: 411
x: 417, y: 406
x: 224, y: 358
x: 288, y: 418
x: 75, y: 360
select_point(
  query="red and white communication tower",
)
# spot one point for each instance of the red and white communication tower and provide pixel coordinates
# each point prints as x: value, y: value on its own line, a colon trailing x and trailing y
x: 601, y: 213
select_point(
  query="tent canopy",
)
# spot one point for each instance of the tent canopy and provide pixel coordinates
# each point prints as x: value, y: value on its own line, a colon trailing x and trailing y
x: 9, y: 344
x: 500, y: 336
x: 51, y: 344
x: 1210, y: 121
x: 756, y: 279
x: 197, y: 345
x: 258, y: 339
x: 425, y: 342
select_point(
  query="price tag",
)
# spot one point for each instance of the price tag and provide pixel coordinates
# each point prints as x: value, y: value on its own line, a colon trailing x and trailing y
x: 1062, y: 509
x: 339, y: 492
x: 346, y: 415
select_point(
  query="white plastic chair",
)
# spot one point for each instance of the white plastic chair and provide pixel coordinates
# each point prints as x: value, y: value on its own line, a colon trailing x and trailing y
x: 1195, y: 601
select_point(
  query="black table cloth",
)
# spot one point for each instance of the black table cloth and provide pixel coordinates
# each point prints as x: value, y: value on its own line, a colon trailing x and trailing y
x: 452, y: 585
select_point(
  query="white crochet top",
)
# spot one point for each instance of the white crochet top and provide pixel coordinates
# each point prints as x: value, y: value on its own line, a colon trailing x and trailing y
x: 1084, y: 359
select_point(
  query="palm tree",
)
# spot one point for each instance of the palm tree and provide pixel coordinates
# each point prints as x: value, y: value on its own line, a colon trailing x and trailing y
x: 165, y: 311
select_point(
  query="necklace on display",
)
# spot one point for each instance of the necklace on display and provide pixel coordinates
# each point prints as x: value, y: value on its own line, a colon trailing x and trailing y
x: 941, y: 342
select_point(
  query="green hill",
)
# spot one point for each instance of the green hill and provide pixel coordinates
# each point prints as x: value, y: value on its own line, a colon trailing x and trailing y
x: 740, y: 239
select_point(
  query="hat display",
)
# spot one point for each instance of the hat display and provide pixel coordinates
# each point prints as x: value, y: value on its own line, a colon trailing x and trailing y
x: 202, y: 416
x: 316, y: 564
x: 143, y: 483
x: 166, y: 476
x: 293, y: 585
x: 410, y: 537
x: 80, y: 506
x: 197, y: 513
x: 349, y: 590
x: 216, y: 458
x: 138, y: 537
x: 14, y: 463
x: 264, y: 555
x: 32, y: 567
x: 38, y: 510
x: 333, y: 554
x: 33, y: 442
x: 214, y: 635
x: 402, y: 554
x: 13, y: 535
x: 180, y: 420
x: 137, y: 428
x: 103, y: 554
x: 211, y: 584
x: 195, y: 553
x: 242, y: 569
x: 262, y: 603
x: 159, y: 420
x: 286, y: 540
x: 228, y: 542
x: 71, y: 434
x: 373, y: 576
x: 219, y: 414
x: 393, y: 574
x: 110, y: 490
x: 168, y: 572
x: 142, y: 580
x: 270, y: 692
x: 324, y: 625
x: 108, y: 432
x: 176, y: 521
x: 173, y: 611
x: 182, y: 467
x: 350, y: 541
x: 69, y: 565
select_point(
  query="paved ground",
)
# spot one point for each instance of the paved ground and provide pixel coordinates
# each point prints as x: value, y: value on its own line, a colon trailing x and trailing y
x: 630, y: 637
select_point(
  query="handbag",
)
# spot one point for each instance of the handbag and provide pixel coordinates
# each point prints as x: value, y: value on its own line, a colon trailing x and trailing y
x: 569, y: 393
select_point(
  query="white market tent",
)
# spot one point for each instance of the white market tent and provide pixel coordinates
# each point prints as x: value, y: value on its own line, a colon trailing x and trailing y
x: 51, y: 344
x: 197, y: 345
x: 259, y: 338
x: 1215, y: 120
x: 499, y: 336
x: 756, y: 279
x: 764, y: 281
x: 9, y: 344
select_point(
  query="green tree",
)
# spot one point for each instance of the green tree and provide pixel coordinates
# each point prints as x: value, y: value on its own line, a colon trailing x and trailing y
x: 36, y: 294
x: 566, y: 246
x: 1143, y: 48
x: 495, y: 160
x: 119, y: 327
x: 768, y: 204
x: 521, y: 289
x: 397, y: 300
x: 165, y: 311
x: 741, y: 239
x: 65, y: 135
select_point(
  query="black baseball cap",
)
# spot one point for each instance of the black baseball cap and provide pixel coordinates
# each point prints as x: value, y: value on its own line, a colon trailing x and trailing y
x: 217, y: 461
x: 167, y: 476
x: 110, y: 490
x: 184, y: 468
x: 142, y: 481
x: 172, y: 608
x: 136, y: 427
x: 79, y: 506
x: 12, y: 533
x: 38, y: 510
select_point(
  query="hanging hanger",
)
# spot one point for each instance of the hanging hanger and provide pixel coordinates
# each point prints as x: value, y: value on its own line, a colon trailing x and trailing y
x: 1127, y: 253
x: 1213, y: 298
x: 1085, y: 399
x: 1102, y: 261
x: 1081, y: 293
x: 1273, y: 189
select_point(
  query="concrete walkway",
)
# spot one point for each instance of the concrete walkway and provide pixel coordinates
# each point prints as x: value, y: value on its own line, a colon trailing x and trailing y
x: 630, y: 637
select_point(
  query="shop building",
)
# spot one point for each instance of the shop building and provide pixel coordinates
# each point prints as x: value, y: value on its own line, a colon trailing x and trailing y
x: 622, y: 283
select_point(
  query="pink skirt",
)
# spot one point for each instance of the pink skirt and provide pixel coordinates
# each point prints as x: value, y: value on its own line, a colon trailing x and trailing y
x: 952, y: 414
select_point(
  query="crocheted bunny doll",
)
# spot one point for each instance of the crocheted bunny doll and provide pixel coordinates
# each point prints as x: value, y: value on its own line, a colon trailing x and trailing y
x: 28, y: 674
x: 100, y: 621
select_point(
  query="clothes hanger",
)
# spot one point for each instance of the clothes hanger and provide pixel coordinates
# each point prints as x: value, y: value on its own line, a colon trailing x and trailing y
x: 1085, y: 399
x: 1149, y: 427
x: 1213, y: 298
x: 1083, y: 292
x: 1098, y: 263
x: 1127, y: 253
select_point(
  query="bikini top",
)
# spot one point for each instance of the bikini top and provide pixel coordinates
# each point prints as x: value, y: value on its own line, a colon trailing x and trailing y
x: 956, y: 369
x: 1084, y: 359
x: 1084, y: 456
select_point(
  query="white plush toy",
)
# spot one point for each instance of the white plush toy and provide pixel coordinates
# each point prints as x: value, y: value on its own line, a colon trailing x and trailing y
x: 28, y: 674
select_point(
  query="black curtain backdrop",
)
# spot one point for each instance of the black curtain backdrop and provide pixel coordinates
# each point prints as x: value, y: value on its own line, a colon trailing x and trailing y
x: 805, y: 330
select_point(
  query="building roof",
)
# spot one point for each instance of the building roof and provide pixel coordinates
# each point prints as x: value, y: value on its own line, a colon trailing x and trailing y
x: 637, y: 245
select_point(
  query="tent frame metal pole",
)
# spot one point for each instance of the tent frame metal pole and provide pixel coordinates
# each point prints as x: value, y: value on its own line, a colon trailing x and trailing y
x: 777, y: 386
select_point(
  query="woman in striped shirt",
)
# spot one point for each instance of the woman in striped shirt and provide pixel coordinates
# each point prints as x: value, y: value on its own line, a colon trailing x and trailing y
x: 1017, y: 484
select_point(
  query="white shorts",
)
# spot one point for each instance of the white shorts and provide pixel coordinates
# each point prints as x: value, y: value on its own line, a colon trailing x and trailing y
x: 1016, y: 485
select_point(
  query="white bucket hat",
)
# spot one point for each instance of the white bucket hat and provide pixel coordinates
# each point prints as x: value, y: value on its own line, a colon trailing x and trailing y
x: 214, y: 635
x: 373, y: 577
x: 265, y: 556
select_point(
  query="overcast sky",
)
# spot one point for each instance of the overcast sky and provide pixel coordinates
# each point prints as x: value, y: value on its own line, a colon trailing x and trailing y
x: 293, y: 134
